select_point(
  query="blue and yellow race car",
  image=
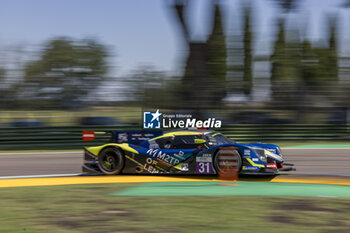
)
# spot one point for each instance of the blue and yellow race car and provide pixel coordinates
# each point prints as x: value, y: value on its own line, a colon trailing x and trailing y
x: 185, y: 151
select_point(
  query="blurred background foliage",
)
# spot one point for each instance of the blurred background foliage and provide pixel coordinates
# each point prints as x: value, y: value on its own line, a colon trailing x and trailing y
x: 65, y: 72
x: 299, y: 81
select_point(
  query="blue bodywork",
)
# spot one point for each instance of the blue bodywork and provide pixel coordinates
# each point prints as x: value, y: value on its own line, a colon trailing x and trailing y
x: 256, y: 158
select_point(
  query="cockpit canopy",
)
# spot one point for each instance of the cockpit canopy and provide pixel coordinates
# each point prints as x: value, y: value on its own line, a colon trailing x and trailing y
x: 187, y: 140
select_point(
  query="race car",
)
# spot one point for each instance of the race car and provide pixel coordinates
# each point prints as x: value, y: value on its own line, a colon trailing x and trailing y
x: 185, y: 151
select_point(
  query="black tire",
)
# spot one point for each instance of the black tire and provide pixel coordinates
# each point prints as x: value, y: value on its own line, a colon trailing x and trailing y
x: 111, y: 161
x: 216, y: 162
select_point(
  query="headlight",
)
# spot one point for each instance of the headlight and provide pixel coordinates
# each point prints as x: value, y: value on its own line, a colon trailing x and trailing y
x: 261, y: 154
x: 263, y: 158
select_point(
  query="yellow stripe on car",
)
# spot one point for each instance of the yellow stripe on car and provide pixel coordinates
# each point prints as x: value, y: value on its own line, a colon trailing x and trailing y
x: 176, y: 133
x: 268, y: 152
x: 178, y: 167
x: 124, y: 146
x: 254, y: 164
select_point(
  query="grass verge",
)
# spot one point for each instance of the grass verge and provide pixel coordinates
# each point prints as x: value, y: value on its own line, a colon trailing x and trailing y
x: 88, y: 208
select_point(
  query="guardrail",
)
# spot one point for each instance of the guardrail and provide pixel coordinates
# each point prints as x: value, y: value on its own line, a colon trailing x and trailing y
x: 57, y: 138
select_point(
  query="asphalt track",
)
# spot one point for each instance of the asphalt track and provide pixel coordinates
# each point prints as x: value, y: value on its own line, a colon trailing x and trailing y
x: 19, y: 164
x: 332, y: 161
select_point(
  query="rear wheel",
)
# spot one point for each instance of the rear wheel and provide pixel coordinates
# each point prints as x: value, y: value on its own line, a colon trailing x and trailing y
x: 111, y: 161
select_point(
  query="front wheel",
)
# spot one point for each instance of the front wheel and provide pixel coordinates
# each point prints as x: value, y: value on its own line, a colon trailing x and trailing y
x: 234, y: 157
x: 111, y: 161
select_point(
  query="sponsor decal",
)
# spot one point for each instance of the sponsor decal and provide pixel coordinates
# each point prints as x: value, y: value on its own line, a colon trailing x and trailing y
x: 250, y: 168
x: 163, y: 157
x: 246, y: 153
x: 184, y: 167
x: 204, y: 158
x: 255, y: 159
x: 272, y: 165
x: 180, y: 155
x: 135, y: 136
x: 157, y: 120
x: 149, y: 165
x: 122, y: 137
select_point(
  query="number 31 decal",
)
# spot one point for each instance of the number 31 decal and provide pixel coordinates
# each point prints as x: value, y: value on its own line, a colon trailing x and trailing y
x: 203, y: 167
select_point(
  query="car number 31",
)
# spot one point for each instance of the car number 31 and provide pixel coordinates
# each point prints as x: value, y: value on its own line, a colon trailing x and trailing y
x: 204, y: 167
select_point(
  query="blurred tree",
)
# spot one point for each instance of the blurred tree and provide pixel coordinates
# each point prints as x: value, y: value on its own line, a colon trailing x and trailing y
x: 66, y: 71
x: 310, y: 64
x: 319, y: 68
x: 2, y: 78
x: 203, y: 83
x: 153, y: 88
x: 346, y: 3
x: 248, y: 57
x: 286, y: 61
x: 240, y: 55
x: 7, y: 91
x: 147, y: 85
x: 286, y: 69
x: 287, y: 5
x: 277, y: 60
x: 326, y: 86
x: 216, y: 60
x: 320, y: 64
x: 3, y: 89
x: 332, y: 58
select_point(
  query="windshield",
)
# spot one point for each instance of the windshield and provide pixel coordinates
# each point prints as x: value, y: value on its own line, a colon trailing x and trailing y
x: 218, y: 139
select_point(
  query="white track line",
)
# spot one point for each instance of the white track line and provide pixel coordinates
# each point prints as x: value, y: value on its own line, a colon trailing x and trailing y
x: 39, y: 176
x: 318, y: 148
x: 311, y: 174
x: 35, y: 153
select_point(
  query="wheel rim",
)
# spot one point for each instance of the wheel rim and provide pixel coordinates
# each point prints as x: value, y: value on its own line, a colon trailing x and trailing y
x: 109, y: 162
x: 217, y: 166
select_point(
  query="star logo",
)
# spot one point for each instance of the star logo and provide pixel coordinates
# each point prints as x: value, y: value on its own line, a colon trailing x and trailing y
x: 151, y: 120
x: 156, y: 115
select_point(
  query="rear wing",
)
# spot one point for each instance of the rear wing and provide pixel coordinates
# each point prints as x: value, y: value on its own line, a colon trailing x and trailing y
x: 133, y: 136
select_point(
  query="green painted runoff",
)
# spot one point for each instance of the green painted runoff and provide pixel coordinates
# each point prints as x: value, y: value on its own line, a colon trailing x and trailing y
x: 241, y: 188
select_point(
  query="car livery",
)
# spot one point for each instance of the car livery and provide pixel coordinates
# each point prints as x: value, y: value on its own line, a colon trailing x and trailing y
x: 185, y: 151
